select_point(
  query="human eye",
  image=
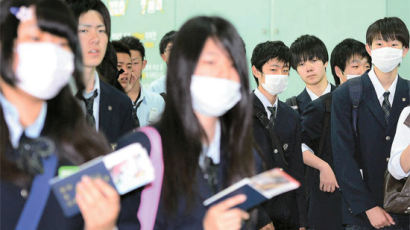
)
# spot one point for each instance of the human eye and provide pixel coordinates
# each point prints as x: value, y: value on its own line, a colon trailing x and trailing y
x: 82, y: 30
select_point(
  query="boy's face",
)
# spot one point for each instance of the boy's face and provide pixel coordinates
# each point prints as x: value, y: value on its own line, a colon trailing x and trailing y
x: 124, y: 62
x: 312, y: 71
x: 167, y: 52
x: 271, y: 67
x: 378, y: 43
x: 355, y: 65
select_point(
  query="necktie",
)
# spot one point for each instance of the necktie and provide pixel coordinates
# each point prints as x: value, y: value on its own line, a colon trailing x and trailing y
x: 135, y: 106
x: 386, y: 106
x: 89, y: 104
x: 272, y: 117
x: 211, y: 174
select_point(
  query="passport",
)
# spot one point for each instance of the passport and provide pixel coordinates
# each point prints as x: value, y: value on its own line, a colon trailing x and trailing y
x: 257, y: 189
x: 126, y: 170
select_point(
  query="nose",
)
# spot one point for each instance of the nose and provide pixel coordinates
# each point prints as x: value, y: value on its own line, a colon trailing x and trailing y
x: 94, y: 37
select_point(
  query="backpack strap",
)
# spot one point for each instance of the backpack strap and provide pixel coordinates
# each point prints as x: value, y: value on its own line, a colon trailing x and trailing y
x: 37, y: 200
x: 355, y: 93
x: 326, y: 122
x: 293, y: 103
x: 150, y: 196
x: 278, y: 154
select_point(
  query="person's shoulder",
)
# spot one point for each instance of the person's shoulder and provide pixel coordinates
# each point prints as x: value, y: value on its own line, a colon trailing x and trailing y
x: 115, y: 95
x: 286, y: 109
x: 153, y: 96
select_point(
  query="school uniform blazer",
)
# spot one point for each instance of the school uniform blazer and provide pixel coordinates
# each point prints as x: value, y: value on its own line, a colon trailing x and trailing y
x: 325, y: 209
x: 12, y: 204
x: 288, y: 209
x: 183, y: 218
x: 374, y: 143
x: 115, y: 113
x: 303, y: 99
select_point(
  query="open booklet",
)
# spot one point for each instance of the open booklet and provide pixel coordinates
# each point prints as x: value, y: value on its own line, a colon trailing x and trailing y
x: 257, y: 189
x: 125, y: 170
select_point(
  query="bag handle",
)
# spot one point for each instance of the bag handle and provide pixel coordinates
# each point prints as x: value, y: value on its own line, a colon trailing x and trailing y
x: 151, y: 194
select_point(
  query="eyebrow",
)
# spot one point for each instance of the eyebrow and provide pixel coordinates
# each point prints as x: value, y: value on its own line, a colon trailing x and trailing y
x: 88, y: 25
x: 279, y: 66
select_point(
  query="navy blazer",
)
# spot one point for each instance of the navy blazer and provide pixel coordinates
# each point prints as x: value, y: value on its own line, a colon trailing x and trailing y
x: 115, y: 113
x: 288, y: 209
x: 182, y: 219
x: 325, y: 209
x: 374, y: 142
x: 303, y: 99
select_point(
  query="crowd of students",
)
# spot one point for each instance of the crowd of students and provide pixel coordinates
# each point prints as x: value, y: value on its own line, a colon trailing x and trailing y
x: 69, y: 95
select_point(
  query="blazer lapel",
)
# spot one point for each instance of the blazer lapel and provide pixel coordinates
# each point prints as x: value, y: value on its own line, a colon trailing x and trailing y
x: 105, y: 109
x: 371, y: 101
x: 304, y: 99
x: 401, y: 100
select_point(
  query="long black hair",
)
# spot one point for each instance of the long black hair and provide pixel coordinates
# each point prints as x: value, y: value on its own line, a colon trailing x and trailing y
x: 179, y: 127
x: 65, y: 122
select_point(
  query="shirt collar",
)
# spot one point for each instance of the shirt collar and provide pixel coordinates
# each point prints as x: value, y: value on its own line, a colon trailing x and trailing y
x: 266, y: 103
x: 12, y: 119
x: 213, y: 150
x: 379, y: 88
x: 142, y: 94
x: 313, y: 96
x: 96, y: 87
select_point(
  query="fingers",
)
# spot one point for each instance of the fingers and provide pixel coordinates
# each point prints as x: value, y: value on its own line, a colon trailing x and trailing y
x: 389, y: 219
x: 230, y: 202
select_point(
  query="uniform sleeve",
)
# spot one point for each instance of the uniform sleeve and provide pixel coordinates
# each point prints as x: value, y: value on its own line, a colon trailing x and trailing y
x: 400, y: 143
x: 353, y: 188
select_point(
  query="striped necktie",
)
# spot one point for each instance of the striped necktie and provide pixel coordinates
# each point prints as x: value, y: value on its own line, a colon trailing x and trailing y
x: 386, y: 106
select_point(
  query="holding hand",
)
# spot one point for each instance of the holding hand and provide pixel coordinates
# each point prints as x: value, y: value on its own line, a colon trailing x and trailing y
x: 379, y: 218
x: 222, y: 216
x: 328, y: 182
x: 99, y: 203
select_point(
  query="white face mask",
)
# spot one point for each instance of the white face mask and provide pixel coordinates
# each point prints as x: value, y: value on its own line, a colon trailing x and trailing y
x: 387, y: 58
x: 213, y: 96
x: 43, y: 69
x: 352, y: 76
x: 275, y: 84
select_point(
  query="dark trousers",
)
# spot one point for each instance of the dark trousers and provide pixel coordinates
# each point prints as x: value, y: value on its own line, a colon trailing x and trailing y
x: 402, y: 223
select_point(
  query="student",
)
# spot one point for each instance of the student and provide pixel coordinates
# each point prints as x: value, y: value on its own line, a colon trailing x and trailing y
x: 123, y: 65
x: 399, y: 162
x: 108, y: 110
x: 148, y: 106
x: 349, y: 59
x: 280, y: 140
x: 309, y: 59
x: 42, y: 126
x: 108, y: 68
x: 361, y: 151
x: 165, y: 46
x: 198, y: 127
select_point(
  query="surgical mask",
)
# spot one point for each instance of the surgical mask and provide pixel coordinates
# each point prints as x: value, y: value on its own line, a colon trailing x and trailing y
x: 275, y: 84
x: 43, y: 68
x: 352, y: 76
x: 387, y: 58
x: 213, y: 96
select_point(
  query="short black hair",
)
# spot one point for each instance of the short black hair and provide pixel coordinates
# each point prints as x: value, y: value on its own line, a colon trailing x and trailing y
x: 134, y: 43
x: 80, y: 7
x: 167, y: 38
x: 268, y: 50
x: 343, y: 52
x: 388, y: 28
x: 307, y: 47
x: 120, y: 47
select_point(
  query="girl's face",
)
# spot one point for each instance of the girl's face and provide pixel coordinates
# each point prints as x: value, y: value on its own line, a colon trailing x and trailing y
x: 215, y: 61
x: 28, y: 31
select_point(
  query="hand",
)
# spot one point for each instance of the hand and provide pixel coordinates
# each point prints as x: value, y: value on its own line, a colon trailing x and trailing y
x: 302, y: 228
x: 222, y: 216
x: 268, y: 227
x: 379, y: 218
x: 99, y: 203
x: 328, y: 182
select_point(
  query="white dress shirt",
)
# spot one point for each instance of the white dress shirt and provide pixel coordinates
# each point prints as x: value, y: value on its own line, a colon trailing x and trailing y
x: 266, y: 102
x: 96, y: 104
x: 400, y: 143
x: 379, y: 88
x: 213, y: 150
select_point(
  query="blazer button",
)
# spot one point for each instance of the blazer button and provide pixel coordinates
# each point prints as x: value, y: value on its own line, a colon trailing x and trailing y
x: 387, y: 159
x: 387, y: 138
x: 24, y: 193
x: 275, y: 151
